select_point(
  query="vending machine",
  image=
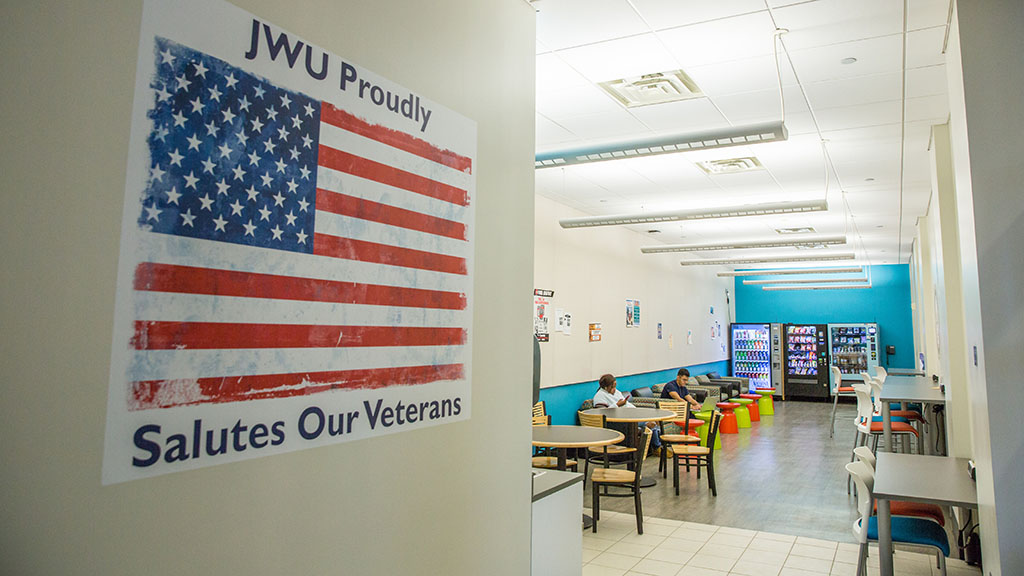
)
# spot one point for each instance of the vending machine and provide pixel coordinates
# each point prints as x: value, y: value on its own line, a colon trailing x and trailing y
x: 854, y: 348
x: 756, y: 351
x: 806, y: 360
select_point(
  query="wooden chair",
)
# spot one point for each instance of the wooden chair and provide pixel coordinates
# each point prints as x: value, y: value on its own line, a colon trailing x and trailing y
x: 603, y: 478
x: 539, y: 409
x: 699, y: 456
x: 545, y: 460
x: 603, y: 455
x: 682, y: 410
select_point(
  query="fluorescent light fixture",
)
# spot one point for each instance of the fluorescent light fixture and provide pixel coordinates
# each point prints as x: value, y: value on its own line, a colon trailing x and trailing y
x: 850, y: 270
x: 819, y: 241
x: 756, y: 260
x: 803, y: 281
x: 676, y: 215
x: 736, y: 136
x: 823, y: 287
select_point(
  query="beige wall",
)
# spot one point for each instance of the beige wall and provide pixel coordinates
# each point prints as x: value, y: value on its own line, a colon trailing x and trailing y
x: 593, y: 271
x: 433, y: 501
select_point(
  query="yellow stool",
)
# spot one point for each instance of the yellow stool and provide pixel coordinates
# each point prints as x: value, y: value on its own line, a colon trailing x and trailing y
x: 766, y: 405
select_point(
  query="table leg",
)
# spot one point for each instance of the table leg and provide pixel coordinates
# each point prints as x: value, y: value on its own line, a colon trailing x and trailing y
x: 561, y: 458
x: 884, y: 538
x: 886, y: 428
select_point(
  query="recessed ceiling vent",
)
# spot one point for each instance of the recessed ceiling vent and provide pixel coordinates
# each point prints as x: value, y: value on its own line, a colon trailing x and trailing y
x: 730, y: 165
x: 800, y: 230
x: 655, y: 88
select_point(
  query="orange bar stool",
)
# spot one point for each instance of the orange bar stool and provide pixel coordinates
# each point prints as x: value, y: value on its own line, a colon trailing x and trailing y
x: 755, y: 414
x: 728, y: 425
x: 766, y: 405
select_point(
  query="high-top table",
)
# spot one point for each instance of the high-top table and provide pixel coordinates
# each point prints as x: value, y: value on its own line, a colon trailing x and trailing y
x: 914, y: 478
x: 906, y: 389
x: 635, y: 415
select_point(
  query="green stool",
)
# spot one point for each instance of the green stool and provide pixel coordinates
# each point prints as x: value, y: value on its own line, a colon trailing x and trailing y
x: 766, y: 405
x: 703, y: 430
x: 742, y: 413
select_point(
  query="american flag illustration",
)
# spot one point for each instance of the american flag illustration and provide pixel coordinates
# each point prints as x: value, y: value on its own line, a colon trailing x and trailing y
x: 288, y: 247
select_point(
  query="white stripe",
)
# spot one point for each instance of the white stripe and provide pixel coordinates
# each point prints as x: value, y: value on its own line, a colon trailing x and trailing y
x: 188, y: 364
x: 156, y: 306
x: 373, y: 150
x: 358, y: 229
x: 168, y: 249
x: 342, y: 183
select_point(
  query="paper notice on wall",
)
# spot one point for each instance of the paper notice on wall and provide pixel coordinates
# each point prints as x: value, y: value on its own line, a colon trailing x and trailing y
x: 659, y: 330
x: 629, y: 313
x: 595, y: 332
x: 559, y: 320
x: 689, y: 336
x: 541, y: 318
x: 567, y: 325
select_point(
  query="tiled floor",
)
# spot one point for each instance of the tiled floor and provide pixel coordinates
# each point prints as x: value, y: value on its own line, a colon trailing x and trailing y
x: 679, y: 548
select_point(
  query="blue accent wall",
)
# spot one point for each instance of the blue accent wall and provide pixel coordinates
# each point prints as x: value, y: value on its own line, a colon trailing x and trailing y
x: 886, y: 303
x: 562, y: 402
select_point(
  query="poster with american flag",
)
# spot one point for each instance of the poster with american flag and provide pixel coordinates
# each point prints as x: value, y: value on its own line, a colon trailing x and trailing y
x: 296, y: 262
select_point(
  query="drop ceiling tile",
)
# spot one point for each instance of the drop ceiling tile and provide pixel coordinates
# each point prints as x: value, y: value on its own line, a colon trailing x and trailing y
x: 924, y: 47
x: 670, y: 171
x: 874, y: 56
x: 826, y: 22
x: 733, y: 38
x: 620, y: 58
x: 554, y: 74
x: 760, y: 106
x: 935, y: 108
x: 927, y: 81
x: 927, y: 13
x: 854, y: 91
x: 737, y: 76
x: 859, y: 116
x: 550, y: 135
x: 753, y: 182
x: 614, y: 125
x: 575, y: 101
x: 671, y: 13
x: 694, y: 115
x: 613, y: 175
x: 568, y: 23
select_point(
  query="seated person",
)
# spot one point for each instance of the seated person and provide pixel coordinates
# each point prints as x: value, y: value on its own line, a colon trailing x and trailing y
x: 607, y: 396
x: 676, y: 390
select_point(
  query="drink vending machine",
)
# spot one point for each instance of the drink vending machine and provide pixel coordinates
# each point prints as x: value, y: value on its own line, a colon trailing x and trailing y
x: 756, y: 351
x: 854, y: 349
x: 806, y: 361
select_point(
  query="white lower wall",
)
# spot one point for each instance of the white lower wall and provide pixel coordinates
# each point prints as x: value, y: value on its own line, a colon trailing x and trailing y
x: 433, y: 501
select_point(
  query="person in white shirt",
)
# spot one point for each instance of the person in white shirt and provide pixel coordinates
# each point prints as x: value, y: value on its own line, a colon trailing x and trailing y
x: 607, y: 396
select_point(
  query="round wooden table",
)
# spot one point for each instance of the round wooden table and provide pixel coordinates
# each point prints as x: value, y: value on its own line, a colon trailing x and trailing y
x: 635, y: 415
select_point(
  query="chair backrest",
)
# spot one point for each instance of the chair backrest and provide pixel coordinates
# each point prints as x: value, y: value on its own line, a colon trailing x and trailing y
x: 716, y: 419
x: 865, y: 455
x: 680, y: 408
x: 640, y: 455
x: 594, y: 420
x: 864, y: 478
x: 837, y: 376
x: 880, y: 373
x: 542, y: 420
x: 865, y: 409
x: 642, y: 392
x: 539, y: 409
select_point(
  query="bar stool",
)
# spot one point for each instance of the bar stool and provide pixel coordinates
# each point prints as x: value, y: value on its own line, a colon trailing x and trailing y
x: 705, y: 417
x: 755, y: 413
x: 766, y: 405
x: 742, y: 412
x: 729, y: 424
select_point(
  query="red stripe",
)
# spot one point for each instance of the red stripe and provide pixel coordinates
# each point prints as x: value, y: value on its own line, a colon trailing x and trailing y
x: 149, y: 394
x: 349, y: 249
x: 351, y: 164
x: 376, y: 212
x: 336, y: 117
x: 151, y: 335
x: 193, y: 280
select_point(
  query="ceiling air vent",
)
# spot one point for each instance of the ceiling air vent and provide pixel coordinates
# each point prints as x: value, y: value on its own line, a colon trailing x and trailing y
x: 800, y: 230
x: 655, y: 88
x: 730, y: 165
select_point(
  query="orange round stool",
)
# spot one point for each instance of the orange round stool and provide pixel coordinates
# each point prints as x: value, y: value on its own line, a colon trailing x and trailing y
x: 728, y: 425
x: 755, y: 415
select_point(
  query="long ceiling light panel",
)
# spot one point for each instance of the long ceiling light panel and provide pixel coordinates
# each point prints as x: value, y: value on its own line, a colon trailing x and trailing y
x: 803, y: 242
x: 676, y: 215
x: 849, y: 270
x: 803, y: 281
x: 738, y: 136
x: 756, y: 260
x: 825, y: 287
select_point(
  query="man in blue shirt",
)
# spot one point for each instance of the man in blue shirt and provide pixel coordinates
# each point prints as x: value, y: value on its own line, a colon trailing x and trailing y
x: 676, y: 390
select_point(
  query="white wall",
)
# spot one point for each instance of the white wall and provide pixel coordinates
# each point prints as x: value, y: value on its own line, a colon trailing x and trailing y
x: 593, y: 271
x: 433, y: 501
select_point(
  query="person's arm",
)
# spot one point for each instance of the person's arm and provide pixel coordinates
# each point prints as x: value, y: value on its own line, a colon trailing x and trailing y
x: 693, y: 403
x: 623, y: 401
x: 675, y: 396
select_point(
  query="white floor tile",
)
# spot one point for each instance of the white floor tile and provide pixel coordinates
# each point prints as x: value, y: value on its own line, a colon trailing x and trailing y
x: 817, y: 542
x: 691, y: 533
x: 668, y: 555
x: 682, y: 545
x: 726, y: 539
x: 776, y: 536
x: 798, y: 572
x: 609, y: 532
x: 599, y: 544
x: 657, y: 567
x: 730, y: 552
x: 764, y: 557
x: 702, y: 560
x: 698, y: 571
x: 589, y: 554
x: 598, y: 570
x: 638, y: 550
x: 662, y: 521
x: 736, y: 531
x: 847, y: 556
x: 843, y: 569
x: 658, y: 529
x: 768, y: 545
x: 614, y: 560
x: 809, y: 564
x: 652, y: 540
x: 749, y: 568
x: 809, y: 551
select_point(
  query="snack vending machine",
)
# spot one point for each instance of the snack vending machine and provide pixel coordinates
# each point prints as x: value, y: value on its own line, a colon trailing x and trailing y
x: 806, y: 360
x: 854, y: 348
x: 757, y: 353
